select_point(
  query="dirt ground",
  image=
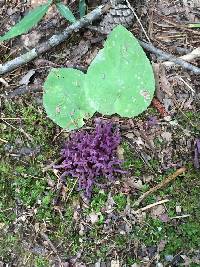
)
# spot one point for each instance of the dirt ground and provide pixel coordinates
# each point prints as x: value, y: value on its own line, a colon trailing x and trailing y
x: 45, y: 224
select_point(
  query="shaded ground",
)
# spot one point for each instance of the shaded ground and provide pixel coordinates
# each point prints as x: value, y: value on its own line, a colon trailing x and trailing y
x: 40, y: 228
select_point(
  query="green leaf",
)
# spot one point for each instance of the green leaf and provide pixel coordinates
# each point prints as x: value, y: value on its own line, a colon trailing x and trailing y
x: 64, y: 98
x: 82, y: 8
x: 24, y: 25
x: 120, y: 79
x: 66, y: 12
x: 194, y: 25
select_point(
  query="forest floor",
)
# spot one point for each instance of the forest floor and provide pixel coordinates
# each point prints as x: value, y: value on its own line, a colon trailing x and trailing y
x: 108, y: 230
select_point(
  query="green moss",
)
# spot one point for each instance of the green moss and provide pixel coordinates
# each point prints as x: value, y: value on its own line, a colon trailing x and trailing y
x: 185, y: 234
x: 23, y: 181
x: 120, y: 201
x: 190, y: 121
x: 131, y: 160
x: 119, y: 241
x: 9, y: 243
x: 41, y: 262
x: 98, y: 200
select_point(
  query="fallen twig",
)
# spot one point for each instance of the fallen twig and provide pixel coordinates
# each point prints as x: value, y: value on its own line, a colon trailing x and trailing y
x: 28, y: 136
x: 135, y: 14
x: 3, y: 140
x: 54, y: 40
x: 150, y: 206
x: 189, y: 57
x: 180, y: 216
x: 72, y: 189
x: 166, y: 181
x: 4, y: 82
x: 84, y: 22
x: 166, y: 56
x: 23, y: 90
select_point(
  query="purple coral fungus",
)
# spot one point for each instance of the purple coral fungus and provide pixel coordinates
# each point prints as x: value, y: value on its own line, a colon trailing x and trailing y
x: 91, y: 155
x: 197, y: 154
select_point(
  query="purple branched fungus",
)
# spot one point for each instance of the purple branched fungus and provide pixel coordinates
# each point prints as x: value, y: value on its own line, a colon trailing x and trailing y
x: 197, y: 154
x: 91, y: 155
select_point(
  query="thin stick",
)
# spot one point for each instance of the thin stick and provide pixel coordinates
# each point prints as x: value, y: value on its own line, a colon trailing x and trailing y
x: 9, y: 118
x: 55, y: 137
x: 85, y: 21
x: 150, y: 206
x: 28, y: 136
x: 50, y: 166
x: 3, y: 140
x: 169, y: 57
x: 54, y: 40
x: 135, y: 14
x: 190, y: 87
x: 4, y: 82
x: 72, y: 189
x: 165, y: 182
x: 180, y: 216
x: 188, y: 57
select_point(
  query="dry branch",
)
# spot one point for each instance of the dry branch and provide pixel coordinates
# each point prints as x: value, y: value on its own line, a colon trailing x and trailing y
x: 160, y: 185
x: 166, y: 56
x: 53, y: 41
x: 23, y: 90
x: 84, y: 22
x: 188, y: 57
x: 150, y: 206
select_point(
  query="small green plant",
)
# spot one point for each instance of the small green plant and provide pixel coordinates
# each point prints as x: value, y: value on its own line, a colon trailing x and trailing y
x: 99, y: 200
x: 65, y: 12
x: 41, y: 262
x: 119, y: 80
x: 82, y: 8
x: 120, y: 201
x: 35, y: 15
x: 194, y: 25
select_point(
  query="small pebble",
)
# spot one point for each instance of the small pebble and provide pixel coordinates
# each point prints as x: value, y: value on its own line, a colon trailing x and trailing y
x: 169, y: 257
x: 178, y: 209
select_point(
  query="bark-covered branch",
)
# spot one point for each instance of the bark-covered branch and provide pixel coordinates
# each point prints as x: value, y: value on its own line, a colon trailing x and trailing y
x: 53, y: 41
x: 194, y: 54
x: 84, y: 22
x: 166, y: 56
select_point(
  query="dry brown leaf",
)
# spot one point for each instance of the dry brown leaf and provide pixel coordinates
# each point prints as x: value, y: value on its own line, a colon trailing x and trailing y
x: 132, y: 182
x: 120, y: 152
x: 93, y: 217
x: 157, y: 211
x: 167, y: 136
x: 26, y: 78
x: 31, y: 39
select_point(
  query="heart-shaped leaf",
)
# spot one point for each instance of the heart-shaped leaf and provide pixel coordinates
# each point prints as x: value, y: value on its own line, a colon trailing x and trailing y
x: 120, y: 79
x: 64, y: 98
